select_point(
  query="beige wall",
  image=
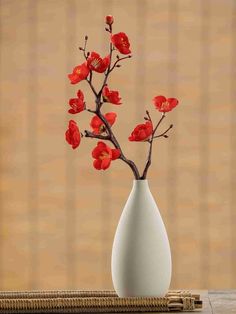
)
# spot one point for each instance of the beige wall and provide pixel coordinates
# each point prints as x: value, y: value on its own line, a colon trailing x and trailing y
x: 57, y: 214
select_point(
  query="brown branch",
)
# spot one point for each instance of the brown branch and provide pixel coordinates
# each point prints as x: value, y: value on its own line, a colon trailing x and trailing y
x: 107, y: 72
x: 114, y: 141
x: 98, y: 136
x: 91, y: 86
x: 164, y: 133
x: 149, y: 117
x: 110, y: 135
x: 118, y: 60
x: 110, y: 68
x: 84, y: 49
x: 149, y: 158
x: 90, y: 110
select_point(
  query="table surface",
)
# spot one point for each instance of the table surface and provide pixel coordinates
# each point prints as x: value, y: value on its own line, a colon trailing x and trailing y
x: 216, y: 302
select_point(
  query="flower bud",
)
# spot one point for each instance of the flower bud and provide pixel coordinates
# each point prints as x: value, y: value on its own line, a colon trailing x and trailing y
x: 109, y: 19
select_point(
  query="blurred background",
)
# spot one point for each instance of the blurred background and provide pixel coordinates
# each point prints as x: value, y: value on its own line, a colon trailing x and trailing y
x: 58, y: 215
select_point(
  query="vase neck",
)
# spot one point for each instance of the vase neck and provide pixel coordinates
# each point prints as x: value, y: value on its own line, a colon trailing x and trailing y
x: 140, y: 184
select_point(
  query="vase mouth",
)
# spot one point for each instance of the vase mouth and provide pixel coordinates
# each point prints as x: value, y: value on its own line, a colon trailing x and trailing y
x: 140, y: 183
x: 140, y: 180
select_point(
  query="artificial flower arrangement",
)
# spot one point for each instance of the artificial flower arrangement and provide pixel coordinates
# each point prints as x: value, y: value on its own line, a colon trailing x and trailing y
x: 101, y: 123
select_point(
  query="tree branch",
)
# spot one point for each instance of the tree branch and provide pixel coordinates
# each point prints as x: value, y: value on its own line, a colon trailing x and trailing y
x: 110, y: 135
x: 114, y: 141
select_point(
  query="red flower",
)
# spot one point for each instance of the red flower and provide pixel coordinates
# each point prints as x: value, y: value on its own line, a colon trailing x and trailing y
x: 141, y: 132
x: 80, y: 72
x: 73, y: 136
x: 121, y: 42
x: 103, y: 155
x: 96, y: 63
x: 77, y: 104
x: 111, y: 96
x: 164, y: 104
x: 97, y: 124
x: 109, y: 19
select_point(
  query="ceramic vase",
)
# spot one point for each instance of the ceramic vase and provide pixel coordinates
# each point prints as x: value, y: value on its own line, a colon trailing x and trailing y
x: 141, y: 257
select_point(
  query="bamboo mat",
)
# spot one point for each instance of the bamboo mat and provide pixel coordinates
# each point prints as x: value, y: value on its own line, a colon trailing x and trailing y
x: 75, y: 301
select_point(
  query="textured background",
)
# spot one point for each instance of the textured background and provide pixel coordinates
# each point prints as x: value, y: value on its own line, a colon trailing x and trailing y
x: 57, y: 214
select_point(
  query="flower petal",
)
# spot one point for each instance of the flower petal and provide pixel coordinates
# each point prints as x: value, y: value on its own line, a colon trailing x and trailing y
x: 96, y: 122
x: 115, y: 153
x: 96, y: 152
x: 71, y: 111
x: 173, y: 102
x: 141, y: 132
x: 102, y: 145
x: 105, y: 163
x: 72, y: 134
x: 159, y: 100
x: 121, y: 42
x: 97, y: 164
x: 80, y: 95
x: 111, y: 117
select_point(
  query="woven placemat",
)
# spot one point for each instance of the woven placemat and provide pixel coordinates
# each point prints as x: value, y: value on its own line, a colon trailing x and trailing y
x: 75, y: 301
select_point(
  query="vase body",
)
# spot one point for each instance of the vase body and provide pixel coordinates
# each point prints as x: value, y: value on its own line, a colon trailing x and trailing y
x: 141, y: 258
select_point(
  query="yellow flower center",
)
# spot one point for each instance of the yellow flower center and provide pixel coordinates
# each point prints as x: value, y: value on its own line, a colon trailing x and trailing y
x: 164, y: 105
x: 103, y: 155
x: 123, y: 42
x: 95, y: 63
x: 102, y: 129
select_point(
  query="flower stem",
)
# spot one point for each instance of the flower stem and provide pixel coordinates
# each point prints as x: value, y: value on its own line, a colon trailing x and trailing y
x: 149, y: 158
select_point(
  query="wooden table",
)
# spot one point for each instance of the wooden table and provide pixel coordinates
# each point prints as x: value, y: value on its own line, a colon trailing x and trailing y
x: 216, y: 302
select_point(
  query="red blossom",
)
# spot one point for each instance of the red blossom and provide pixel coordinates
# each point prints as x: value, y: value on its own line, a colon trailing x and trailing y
x: 141, y: 132
x: 80, y: 72
x: 72, y: 135
x: 77, y: 104
x: 111, y: 96
x: 96, y: 63
x: 97, y: 124
x: 121, y: 42
x: 164, y: 104
x: 109, y: 19
x: 103, y: 155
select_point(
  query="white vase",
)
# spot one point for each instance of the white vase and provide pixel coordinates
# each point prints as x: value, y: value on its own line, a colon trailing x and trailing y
x: 141, y: 258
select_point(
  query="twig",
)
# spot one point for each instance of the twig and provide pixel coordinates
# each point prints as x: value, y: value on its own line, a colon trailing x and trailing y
x: 98, y: 136
x: 108, y: 70
x: 164, y: 133
x: 84, y: 49
x: 148, y: 163
x: 118, y: 60
x: 92, y: 87
x: 90, y: 110
x: 149, y: 117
